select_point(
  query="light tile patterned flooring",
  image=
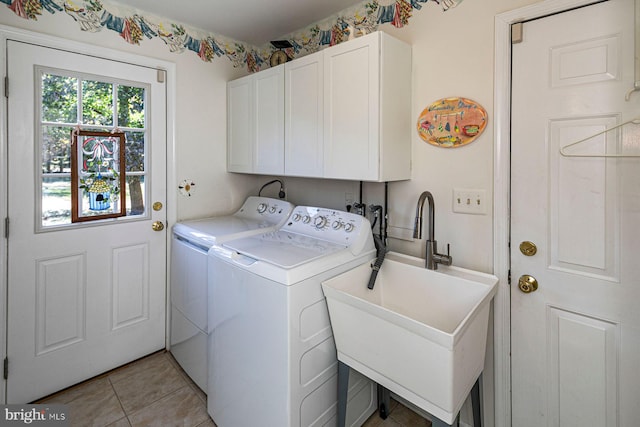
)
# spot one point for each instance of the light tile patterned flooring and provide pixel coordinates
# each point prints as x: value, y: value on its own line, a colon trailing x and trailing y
x: 155, y: 391
x: 399, y: 416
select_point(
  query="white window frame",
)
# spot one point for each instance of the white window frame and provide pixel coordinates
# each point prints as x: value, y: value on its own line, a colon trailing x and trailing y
x: 39, y: 125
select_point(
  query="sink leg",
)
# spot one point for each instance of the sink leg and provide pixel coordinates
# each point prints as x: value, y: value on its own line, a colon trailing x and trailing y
x: 384, y: 402
x: 343, y: 388
x: 437, y: 422
x: 475, y: 403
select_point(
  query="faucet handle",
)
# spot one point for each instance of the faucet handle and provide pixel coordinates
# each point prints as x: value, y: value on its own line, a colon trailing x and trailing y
x: 442, y: 258
x: 446, y: 259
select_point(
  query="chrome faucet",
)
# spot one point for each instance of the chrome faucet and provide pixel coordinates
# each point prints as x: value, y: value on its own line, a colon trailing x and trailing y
x: 433, y: 258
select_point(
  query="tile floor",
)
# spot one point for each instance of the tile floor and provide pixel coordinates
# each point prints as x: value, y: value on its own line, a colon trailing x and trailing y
x: 155, y: 391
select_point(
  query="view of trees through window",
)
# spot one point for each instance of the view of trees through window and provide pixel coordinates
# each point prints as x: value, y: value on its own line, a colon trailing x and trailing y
x: 68, y: 101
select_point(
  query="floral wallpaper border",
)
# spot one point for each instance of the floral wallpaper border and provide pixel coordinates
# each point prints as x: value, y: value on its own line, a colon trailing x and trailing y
x: 93, y: 16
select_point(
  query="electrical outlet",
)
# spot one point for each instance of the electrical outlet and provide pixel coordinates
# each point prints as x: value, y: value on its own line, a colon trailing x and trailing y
x: 470, y: 201
x: 348, y: 200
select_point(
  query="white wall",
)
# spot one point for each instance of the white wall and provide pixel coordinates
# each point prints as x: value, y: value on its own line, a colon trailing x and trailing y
x: 453, y: 55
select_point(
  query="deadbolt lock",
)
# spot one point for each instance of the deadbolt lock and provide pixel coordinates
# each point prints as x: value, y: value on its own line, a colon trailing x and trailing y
x: 528, y: 248
x: 157, y: 206
x: 527, y: 284
x: 157, y: 226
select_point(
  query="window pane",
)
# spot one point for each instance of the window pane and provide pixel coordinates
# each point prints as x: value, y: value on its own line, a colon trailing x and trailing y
x: 97, y: 103
x: 136, y: 192
x: 59, y: 99
x: 130, y: 107
x: 56, y: 200
x: 134, y: 151
x: 56, y: 149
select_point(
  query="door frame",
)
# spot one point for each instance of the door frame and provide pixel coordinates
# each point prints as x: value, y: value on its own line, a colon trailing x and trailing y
x: 502, y: 191
x: 7, y: 32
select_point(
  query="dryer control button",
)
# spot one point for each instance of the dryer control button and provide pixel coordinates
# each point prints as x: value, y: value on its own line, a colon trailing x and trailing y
x: 336, y: 225
x: 306, y: 219
x: 272, y: 209
x: 320, y: 222
x: 297, y: 217
x: 348, y: 227
x: 262, y: 207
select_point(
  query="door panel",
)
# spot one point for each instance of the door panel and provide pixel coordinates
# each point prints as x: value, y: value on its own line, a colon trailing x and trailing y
x: 82, y: 298
x: 576, y: 340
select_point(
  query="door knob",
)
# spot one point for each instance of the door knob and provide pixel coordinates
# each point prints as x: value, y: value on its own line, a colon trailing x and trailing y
x: 527, y: 284
x: 157, y: 226
x: 528, y: 248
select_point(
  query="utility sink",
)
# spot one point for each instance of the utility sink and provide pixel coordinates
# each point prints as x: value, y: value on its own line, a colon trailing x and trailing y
x: 420, y: 333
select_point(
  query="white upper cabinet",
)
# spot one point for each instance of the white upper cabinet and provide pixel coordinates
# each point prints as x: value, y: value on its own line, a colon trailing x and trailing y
x: 255, y: 123
x: 345, y: 113
x: 303, y: 152
x: 269, y: 121
x: 367, y: 105
x: 239, y: 129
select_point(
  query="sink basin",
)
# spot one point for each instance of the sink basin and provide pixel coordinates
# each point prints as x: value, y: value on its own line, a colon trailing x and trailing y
x: 420, y: 333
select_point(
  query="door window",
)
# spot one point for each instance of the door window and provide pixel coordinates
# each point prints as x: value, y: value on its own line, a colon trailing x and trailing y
x: 70, y: 101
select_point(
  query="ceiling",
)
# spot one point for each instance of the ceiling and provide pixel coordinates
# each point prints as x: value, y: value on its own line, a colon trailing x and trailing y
x: 255, y: 22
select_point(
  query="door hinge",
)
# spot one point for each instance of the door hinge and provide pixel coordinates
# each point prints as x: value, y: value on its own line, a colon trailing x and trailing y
x: 6, y: 368
x: 6, y: 227
x: 516, y: 33
x: 509, y: 277
x: 6, y: 86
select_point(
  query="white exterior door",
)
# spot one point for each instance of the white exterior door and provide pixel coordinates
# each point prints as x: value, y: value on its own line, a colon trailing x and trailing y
x: 85, y: 297
x: 576, y: 340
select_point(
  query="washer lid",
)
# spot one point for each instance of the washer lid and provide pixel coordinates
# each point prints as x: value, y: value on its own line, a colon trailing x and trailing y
x: 209, y: 231
x: 257, y: 215
x: 283, y: 249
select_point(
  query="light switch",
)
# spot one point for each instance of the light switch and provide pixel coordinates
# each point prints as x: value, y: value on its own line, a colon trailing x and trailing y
x: 470, y: 201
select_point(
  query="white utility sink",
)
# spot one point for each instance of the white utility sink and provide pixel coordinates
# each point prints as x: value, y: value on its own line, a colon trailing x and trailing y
x: 420, y: 333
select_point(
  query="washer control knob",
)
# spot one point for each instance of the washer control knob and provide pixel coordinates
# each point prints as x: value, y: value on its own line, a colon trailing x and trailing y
x: 348, y: 227
x: 262, y: 207
x: 336, y: 225
x: 306, y: 219
x: 272, y: 209
x: 320, y: 222
x: 297, y: 217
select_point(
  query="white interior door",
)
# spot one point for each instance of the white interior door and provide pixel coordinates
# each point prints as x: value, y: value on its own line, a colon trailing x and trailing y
x: 576, y: 340
x: 82, y: 297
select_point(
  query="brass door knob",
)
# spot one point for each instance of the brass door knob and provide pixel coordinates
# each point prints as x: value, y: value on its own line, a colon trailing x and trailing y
x: 157, y: 226
x: 528, y: 248
x: 527, y: 284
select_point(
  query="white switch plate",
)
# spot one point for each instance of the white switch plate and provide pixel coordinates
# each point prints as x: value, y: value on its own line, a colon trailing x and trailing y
x: 470, y: 201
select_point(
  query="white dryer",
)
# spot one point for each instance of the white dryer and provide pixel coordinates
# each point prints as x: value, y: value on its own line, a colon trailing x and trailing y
x: 191, y: 242
x: 272, y: 357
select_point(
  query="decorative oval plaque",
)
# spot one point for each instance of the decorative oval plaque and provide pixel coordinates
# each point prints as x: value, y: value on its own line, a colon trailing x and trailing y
x: 452, y: 122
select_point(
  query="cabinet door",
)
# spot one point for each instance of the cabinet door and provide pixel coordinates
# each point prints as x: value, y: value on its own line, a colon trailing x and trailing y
x: 268, y: 107
x: 240, y: 125
x: 303, y: 116
x: 351, y: 107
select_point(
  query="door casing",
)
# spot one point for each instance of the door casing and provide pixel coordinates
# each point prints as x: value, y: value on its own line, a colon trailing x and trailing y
x: 6, y: 33
x: 502, y: 192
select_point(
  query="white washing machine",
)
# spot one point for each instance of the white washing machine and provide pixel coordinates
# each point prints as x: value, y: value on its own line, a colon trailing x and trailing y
x: 272, y: 357
x: 191, y: 242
